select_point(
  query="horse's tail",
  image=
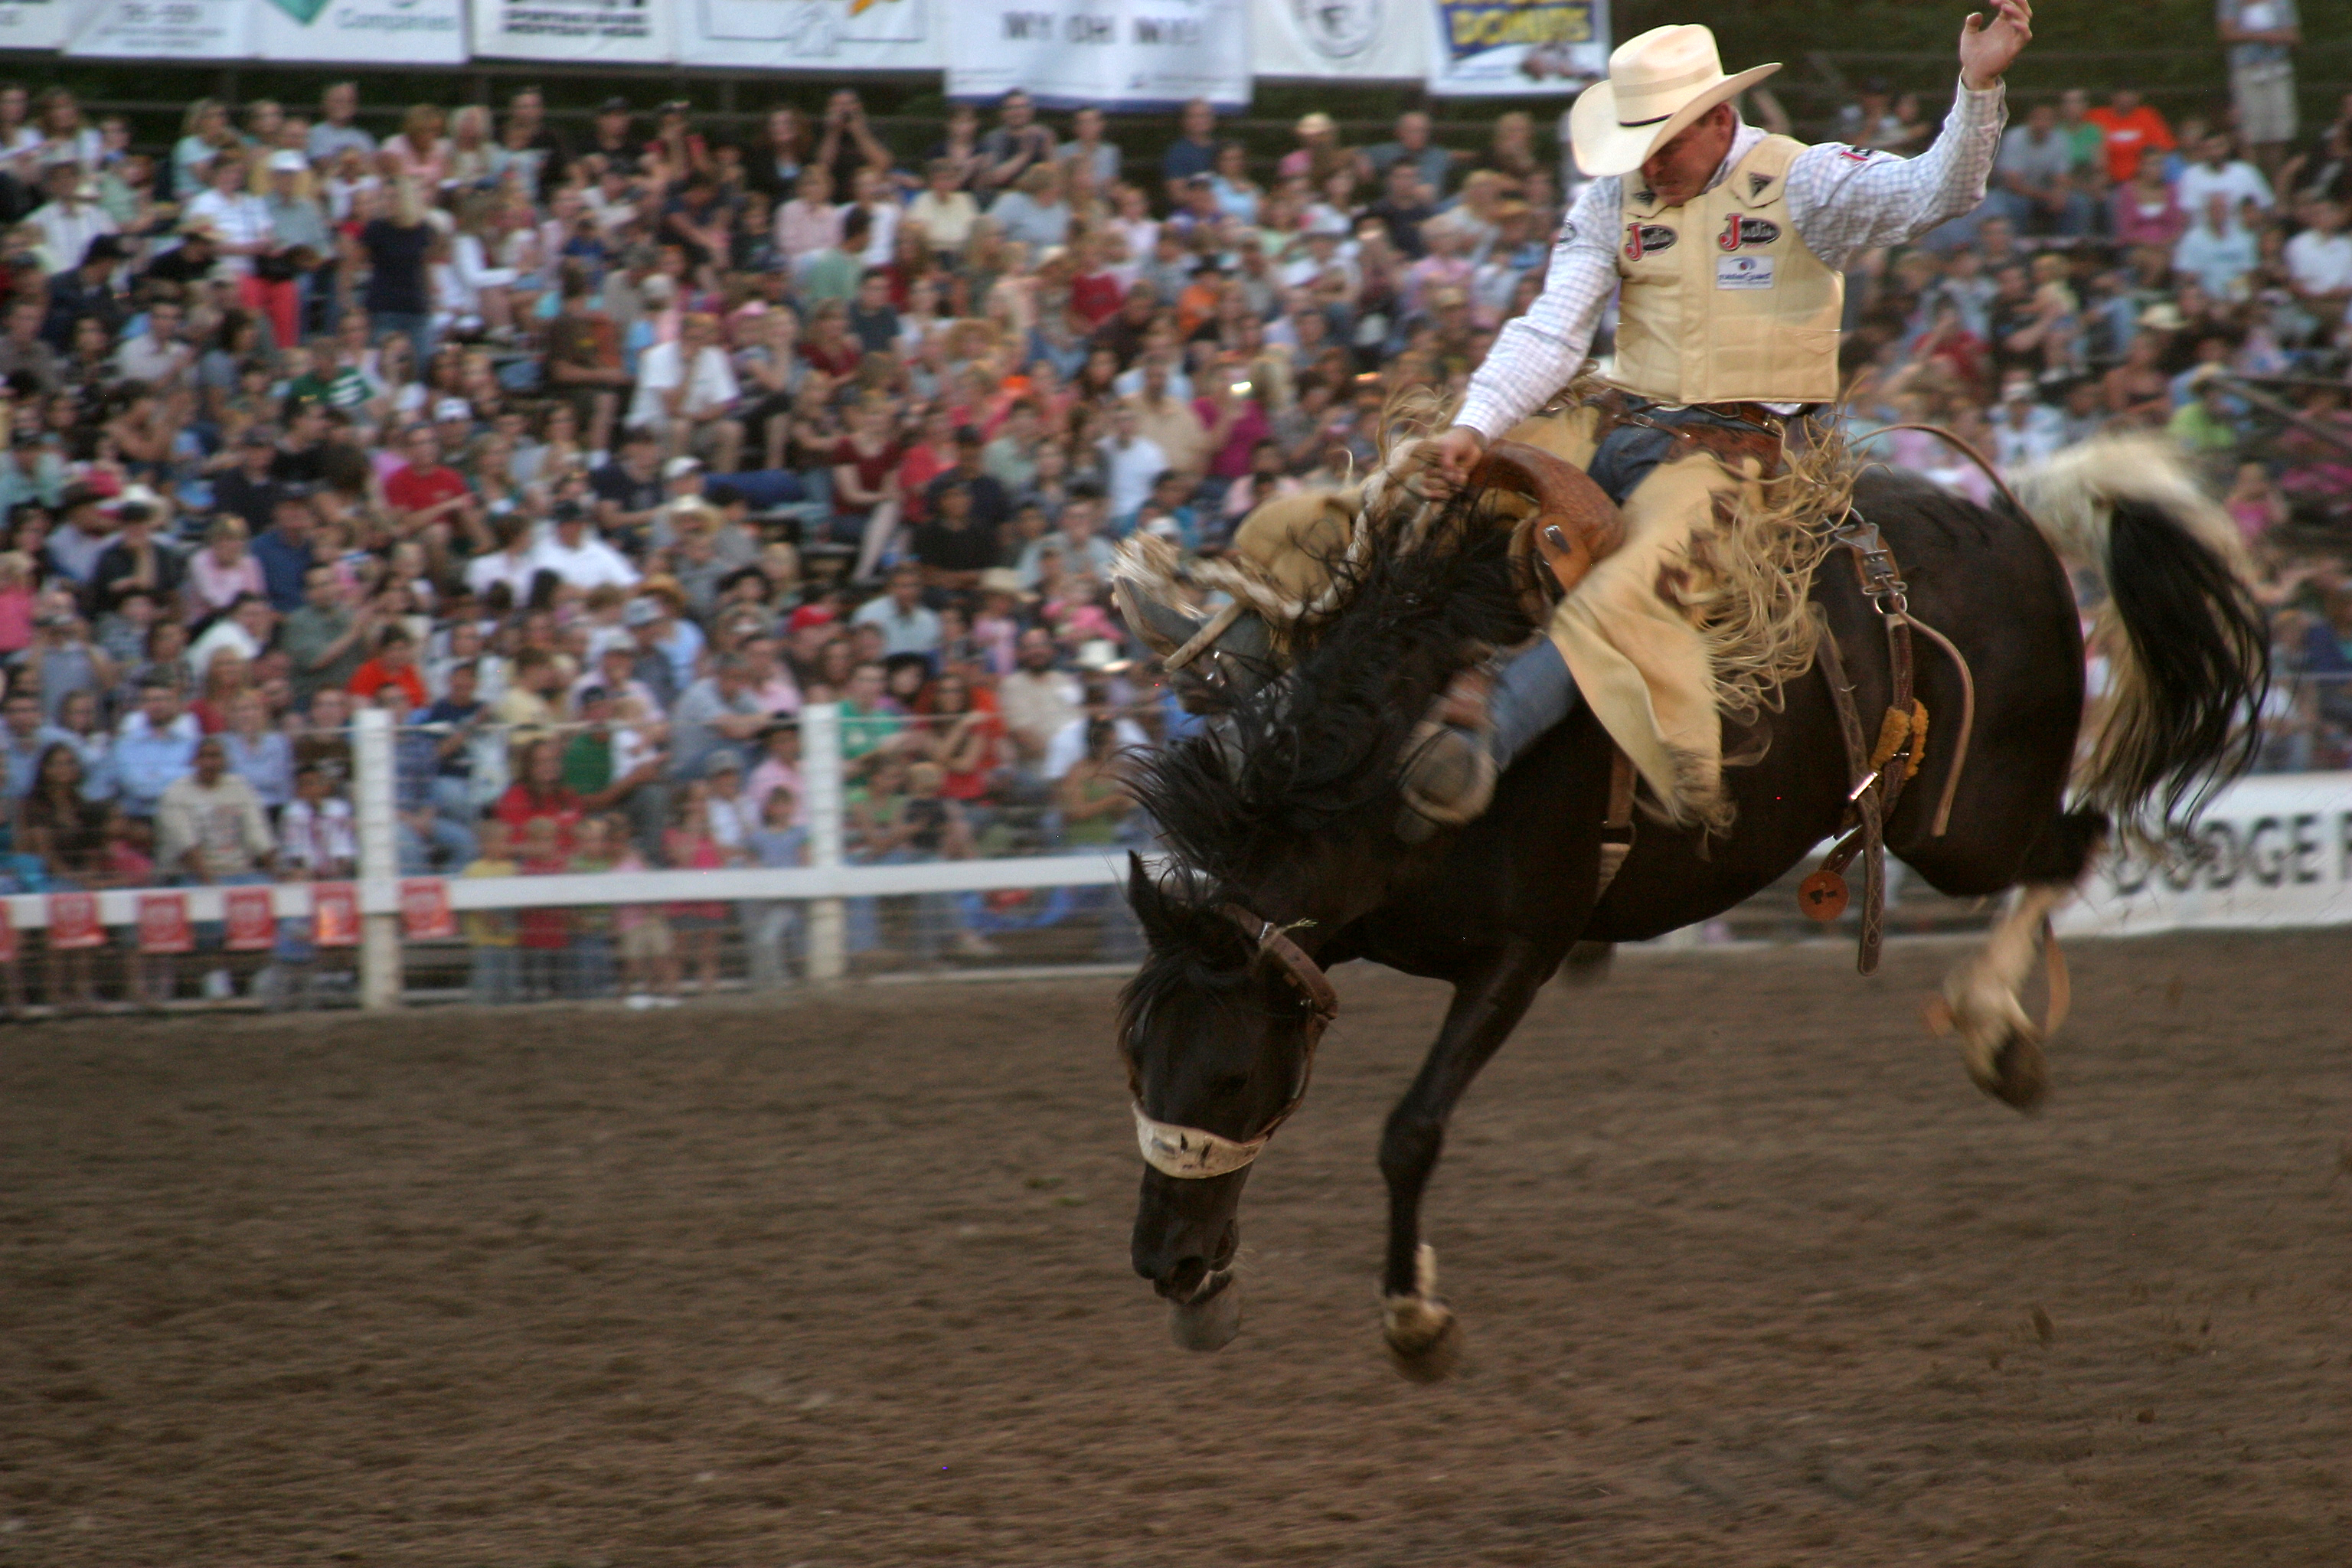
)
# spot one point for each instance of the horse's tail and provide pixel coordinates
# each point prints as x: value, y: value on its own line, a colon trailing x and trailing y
x: 2191, y: 664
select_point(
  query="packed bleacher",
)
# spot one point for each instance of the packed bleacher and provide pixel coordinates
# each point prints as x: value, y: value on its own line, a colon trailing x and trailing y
x: 595, y: 457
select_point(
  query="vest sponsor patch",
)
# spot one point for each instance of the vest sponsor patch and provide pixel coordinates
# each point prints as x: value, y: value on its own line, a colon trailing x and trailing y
x: 1647, y: 239
x: 1739, y: 229
x: 1743, y: 272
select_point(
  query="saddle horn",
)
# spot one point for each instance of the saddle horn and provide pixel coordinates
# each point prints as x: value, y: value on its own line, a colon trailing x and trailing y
x: 1575, y: 523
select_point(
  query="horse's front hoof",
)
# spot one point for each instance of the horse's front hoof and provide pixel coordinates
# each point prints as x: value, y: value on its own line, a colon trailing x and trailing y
x: 1424, y: 1339
x: 1209, y: 1322
x: 2020, y: 1074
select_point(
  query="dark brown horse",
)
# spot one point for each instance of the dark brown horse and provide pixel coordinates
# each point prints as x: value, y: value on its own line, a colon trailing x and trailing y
x: 1285, y: 857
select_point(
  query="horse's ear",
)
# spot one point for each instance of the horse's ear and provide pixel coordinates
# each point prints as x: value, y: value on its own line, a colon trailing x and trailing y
x: 1144, y: 896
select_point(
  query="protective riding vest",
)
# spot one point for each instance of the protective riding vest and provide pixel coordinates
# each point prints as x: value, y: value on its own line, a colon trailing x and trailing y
x: 1721, y: 301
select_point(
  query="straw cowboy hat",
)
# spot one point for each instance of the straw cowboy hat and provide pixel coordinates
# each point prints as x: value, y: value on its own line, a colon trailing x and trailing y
x: 1659, y: 82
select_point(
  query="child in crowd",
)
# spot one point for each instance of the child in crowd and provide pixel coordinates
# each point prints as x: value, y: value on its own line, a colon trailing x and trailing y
x: 490, y: 933
x: 1079, y: 617
x: 315, y: 845
x: 129, y: 862
x: 648, y: 948
x: 778, y: 769
x: 690, y: 846
x: 770, y: 925
x: 590, y: 965
x: 541, y: 934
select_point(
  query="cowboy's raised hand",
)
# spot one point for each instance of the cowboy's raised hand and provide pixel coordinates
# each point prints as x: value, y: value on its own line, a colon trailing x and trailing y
x: 1987, y: 48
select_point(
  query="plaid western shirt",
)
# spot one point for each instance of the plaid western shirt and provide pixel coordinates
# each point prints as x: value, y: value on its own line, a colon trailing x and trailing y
x: 1843, y: 200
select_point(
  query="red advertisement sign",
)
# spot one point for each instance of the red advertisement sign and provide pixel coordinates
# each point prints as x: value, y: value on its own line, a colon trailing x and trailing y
x: 335, y: 914
x: 163, y: 923
x: 252, y: 925
x: 425, y: 910
x: 73, y: 921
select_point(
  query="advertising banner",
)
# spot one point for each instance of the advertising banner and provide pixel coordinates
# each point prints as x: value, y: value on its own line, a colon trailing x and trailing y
x: 621, y: 32
x: 425, y: 910
x: 252, y: 925
x: 163, y: 923
x: 1363, y: 40
x: 414, y: 32
x: 164, y: 29
x: 73, y: 921
x: 1129, y: 53
x: 2272, y: 850
x: 335, y: 914
x: 1495, y: 49
x: 816, y: 35
x: 35, y: 23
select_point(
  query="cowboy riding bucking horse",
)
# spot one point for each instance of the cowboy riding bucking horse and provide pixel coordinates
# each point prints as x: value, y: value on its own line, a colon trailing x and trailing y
x: 1726, y: 247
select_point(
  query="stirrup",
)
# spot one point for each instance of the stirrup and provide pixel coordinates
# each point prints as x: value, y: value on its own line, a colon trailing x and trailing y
x: 1186, y: 643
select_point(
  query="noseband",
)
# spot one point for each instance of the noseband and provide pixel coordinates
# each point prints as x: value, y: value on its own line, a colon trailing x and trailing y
x: 1192, y: 1153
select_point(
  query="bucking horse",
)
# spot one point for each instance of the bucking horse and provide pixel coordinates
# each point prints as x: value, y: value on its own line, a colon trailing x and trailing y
x: 1287, y: 853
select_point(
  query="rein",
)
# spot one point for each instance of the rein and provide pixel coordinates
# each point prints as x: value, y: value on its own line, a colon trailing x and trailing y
x: 1196, y: 1155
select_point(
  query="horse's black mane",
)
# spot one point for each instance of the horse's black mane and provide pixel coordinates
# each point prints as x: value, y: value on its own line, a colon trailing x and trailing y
x: 1304, y: 751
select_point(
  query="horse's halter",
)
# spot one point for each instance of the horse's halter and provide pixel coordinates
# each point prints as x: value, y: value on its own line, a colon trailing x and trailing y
x: 1194, y: 1154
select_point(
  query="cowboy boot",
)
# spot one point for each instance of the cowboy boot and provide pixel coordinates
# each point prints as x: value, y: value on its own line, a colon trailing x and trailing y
x: 1489, y: 714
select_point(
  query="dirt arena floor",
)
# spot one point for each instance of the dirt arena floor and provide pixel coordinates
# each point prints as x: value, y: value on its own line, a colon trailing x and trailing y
x: 1750, y: 1274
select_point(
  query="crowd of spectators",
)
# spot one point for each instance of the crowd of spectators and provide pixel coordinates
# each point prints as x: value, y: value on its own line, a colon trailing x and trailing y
x: 594, y: 459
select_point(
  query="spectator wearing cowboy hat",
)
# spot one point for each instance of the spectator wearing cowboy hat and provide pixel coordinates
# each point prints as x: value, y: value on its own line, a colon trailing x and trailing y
x: 1319, y: 155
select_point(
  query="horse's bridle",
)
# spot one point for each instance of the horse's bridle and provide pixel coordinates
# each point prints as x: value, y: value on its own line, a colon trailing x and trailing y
x: 1193, y: 1153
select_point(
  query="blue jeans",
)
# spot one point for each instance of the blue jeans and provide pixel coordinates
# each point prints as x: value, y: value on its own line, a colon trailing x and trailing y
x: 588, y: 966
x: 770, y: 926
x: 1628, y: 453
x: 492, y: 980
x: 418, y: 329
x: 415, y: 849
x: 935, y: 914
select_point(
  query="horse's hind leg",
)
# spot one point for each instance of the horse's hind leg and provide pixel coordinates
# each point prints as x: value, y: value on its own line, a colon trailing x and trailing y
x: 1999, y: 1045
x: 1487, y: 1005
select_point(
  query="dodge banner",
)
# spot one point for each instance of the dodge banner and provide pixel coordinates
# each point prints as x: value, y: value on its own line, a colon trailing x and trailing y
x: 1128, y: 54
x: 2272, y: 850
x: 1518, y: 47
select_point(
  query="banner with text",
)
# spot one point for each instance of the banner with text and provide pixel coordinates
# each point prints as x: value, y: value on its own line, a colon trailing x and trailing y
x: 2272, y: 850
x: 1363, y: 40
x: 816, y: 35
x: 613, y: 32
x: 1128, y: 54
x: 163, y: 29
x: 1491, y: 49
x: 414, y: 32
x: 35, y: 23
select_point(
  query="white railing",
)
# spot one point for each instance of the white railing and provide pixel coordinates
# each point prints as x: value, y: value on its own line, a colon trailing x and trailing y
x: 822, y: 884
x: 2309, y: 814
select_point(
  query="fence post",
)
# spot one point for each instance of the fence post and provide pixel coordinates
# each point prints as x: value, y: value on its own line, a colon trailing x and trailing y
x: 820, y: 797
x: 373, y: 809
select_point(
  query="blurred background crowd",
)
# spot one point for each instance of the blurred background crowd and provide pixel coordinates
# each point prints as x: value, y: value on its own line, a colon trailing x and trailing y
x: 596, y: 454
